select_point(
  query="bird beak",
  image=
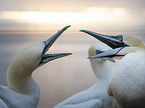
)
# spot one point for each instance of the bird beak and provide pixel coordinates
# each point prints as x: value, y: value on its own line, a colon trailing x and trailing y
x: 119, y: 48
x: 111, y: 41
x: 109, y: 54
x: 114, y: 53
x: 48, y: 43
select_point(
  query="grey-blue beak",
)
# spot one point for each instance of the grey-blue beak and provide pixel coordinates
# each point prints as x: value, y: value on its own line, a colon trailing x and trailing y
x: 115, y: 42
x: 108, y: 54
x: 111, y: 41
x: 48, y: 43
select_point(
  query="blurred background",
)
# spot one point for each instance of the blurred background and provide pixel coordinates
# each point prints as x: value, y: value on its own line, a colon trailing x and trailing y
x: 24, y: 21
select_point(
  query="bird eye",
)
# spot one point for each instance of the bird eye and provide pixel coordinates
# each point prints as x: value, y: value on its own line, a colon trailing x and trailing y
x: 98, y: 51
x: 119, y: 37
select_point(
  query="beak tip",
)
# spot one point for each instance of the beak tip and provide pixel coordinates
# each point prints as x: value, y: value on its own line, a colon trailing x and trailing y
x: 67, y: 27
x: 82, y: 30
x: 69, y: 53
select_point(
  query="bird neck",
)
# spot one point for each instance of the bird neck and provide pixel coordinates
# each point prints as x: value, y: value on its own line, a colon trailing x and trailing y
x: 102, y: 71
x: 20, y: 82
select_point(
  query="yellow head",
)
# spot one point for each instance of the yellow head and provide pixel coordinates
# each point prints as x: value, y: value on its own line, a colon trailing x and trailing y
x: 26, y: 60
x: 133, y: 41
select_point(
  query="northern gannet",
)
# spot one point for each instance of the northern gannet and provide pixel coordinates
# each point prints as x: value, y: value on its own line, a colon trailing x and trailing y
x: 95, y: 96
x: 127, y: 86
x: 22, y: 90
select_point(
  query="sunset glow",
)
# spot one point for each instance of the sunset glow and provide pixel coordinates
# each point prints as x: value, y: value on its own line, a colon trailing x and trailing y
x: 91, y: 15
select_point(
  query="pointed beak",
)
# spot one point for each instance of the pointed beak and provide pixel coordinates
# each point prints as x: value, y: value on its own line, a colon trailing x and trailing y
x: 114, y: 53
x: 111, y: 41
x: 109, y: 54
x: 49, y: 57
x: 119, y: 48
x: 48, y: 43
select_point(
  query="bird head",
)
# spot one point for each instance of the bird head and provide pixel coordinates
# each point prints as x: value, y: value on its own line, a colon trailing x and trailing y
x: 34, y: 55
x: 121, y: 45
x: 99, y: 48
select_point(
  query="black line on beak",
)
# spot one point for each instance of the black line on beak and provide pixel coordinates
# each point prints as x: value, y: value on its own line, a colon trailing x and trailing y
x: 48, y: 43
x: 111, y: 41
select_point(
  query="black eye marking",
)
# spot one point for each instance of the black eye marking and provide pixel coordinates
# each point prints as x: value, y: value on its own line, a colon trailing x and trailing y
x: 119, y: 37
x: 44, y: 48
x: 98, y: 51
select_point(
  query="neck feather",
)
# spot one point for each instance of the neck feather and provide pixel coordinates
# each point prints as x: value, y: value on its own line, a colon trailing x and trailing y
x: 20, y: 81
x: 102, y: 71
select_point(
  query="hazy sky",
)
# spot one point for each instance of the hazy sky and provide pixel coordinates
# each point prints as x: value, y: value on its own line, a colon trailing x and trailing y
x: 68, y: 5
x: 131, y: 13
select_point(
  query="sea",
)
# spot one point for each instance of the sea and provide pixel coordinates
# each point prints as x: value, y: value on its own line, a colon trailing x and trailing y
x: 63, y: 77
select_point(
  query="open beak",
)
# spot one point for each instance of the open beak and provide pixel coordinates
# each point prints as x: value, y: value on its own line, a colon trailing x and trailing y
x: 119, y: 48
x: 48, y: 43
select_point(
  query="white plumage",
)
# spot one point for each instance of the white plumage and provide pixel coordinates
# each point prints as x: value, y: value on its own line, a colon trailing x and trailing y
x: 22, y: 90
x: 96, y: 96
x: 127, y: 85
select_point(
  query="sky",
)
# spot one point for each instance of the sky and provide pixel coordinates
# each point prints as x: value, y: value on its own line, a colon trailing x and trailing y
x: 51, y: 14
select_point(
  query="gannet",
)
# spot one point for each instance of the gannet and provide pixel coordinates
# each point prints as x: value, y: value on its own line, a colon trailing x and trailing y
x: 127, y: 85
x: 96, y: 96
x: 22, y: 90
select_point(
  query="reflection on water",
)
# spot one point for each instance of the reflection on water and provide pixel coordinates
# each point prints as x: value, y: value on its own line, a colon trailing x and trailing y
x: 61, y: 78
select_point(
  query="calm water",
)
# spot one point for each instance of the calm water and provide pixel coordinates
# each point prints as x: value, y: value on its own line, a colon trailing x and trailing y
x: 60, y: 78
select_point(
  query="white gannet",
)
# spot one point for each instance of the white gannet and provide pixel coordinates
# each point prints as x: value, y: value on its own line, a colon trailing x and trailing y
x: 127, y: 86
x: 95, y: 96
x: 22, y: 90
